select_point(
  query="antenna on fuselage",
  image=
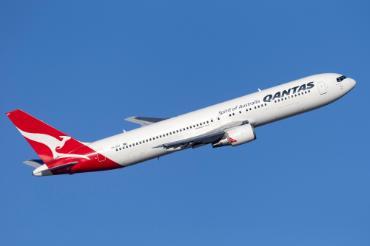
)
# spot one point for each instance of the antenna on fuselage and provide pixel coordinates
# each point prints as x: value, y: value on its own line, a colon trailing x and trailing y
x: 259, y: 89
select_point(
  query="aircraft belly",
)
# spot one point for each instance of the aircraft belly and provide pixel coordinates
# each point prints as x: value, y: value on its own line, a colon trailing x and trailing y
x: 130, y: 157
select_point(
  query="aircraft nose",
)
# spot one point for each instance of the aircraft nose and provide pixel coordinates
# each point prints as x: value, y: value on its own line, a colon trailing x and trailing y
x: 351, y: 83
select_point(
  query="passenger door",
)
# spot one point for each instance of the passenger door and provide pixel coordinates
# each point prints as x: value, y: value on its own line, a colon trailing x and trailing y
x: 322, y: 88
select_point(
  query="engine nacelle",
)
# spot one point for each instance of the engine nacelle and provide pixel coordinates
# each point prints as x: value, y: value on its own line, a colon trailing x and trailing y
x: 237, y: 135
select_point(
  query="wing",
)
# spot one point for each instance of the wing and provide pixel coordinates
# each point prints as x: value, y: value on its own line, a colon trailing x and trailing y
x: 143, y: 121
x: 202, y: 139
x: 193, y: 142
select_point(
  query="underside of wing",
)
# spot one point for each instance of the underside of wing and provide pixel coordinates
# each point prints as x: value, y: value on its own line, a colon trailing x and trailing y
x: 202, y: 139
x: 143, y: 121
x: 193, y: 142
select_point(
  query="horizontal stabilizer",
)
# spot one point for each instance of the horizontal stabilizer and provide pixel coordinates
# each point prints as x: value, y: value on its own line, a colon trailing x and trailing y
x: 34, y: 163
x: 63, y: 166
x: 44, y: 170
x: 144, y: 121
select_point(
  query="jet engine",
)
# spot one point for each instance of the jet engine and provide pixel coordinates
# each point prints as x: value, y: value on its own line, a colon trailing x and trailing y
x: 236, y: 136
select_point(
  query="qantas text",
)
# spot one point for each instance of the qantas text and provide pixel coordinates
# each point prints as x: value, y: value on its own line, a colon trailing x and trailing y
x: 288, y: 92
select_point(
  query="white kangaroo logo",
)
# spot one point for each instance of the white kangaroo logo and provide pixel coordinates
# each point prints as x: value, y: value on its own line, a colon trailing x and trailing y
x: 52, y: 143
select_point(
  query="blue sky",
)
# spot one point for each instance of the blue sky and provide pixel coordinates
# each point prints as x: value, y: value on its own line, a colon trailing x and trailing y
x: 84, y: 66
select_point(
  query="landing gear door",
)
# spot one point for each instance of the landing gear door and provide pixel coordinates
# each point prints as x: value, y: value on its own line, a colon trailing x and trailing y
x: 322, y: 88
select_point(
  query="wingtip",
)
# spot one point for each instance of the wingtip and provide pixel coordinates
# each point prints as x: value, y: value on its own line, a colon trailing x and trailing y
x: 13, y: 111
x: 130, y: 118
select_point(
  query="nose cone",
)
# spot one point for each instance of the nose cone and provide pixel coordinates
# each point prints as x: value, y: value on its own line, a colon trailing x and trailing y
x: 351, y: 83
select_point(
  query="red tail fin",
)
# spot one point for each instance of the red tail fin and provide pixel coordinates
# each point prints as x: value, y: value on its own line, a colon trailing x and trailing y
x: 48, y: 142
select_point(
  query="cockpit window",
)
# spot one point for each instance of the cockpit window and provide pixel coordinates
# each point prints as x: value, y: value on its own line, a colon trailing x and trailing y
x: 341, y: 78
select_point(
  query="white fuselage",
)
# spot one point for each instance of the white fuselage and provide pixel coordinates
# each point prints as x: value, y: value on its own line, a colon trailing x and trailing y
x: 257, y: 109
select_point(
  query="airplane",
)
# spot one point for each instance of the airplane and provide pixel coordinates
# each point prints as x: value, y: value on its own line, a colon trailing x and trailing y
x: 230, y: 123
